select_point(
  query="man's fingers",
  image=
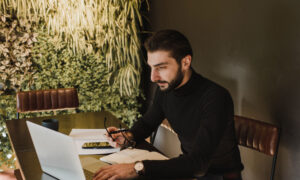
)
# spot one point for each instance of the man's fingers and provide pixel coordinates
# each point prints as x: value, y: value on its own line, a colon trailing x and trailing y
x: 106, y: 175
x: 101, y: 170
x: 115, y: 177
x: 110, y: 129
x: 113, y: 144
x: 103, y: 174
x: 118, y: 171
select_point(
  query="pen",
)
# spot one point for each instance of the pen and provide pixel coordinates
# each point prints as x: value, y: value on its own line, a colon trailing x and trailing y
x: 118, y: 131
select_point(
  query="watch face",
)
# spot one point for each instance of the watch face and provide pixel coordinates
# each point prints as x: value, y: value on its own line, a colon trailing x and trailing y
x: 139, y: 166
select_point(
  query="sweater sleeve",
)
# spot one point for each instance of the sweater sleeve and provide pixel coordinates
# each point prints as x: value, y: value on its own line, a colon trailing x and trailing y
x: 150, y: 121
x: 214, y: 117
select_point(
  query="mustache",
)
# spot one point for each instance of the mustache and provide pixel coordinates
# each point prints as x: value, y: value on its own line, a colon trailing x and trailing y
x: 161, y: 81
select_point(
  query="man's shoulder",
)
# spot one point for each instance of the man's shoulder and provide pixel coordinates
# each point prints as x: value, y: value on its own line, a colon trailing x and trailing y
x: 209, y: 86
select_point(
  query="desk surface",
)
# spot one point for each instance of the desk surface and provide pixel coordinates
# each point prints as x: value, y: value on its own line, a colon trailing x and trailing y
x: 23, y: 146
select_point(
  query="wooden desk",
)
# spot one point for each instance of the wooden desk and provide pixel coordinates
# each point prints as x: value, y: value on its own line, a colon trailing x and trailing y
x: 23, y: 147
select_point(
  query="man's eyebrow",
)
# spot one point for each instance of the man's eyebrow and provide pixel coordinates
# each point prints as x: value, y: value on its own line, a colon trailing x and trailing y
x: 159, y: 64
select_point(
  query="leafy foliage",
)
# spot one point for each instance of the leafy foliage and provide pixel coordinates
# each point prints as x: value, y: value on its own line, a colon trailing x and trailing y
x: 91, y: 45
x: 56, y: 67
x: 6, y: 154
x: 109, y: 29
x: 16, y: 40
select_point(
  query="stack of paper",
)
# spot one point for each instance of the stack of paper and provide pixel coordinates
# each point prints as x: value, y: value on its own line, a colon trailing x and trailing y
x: 131, y: 156
x: 82, y: 136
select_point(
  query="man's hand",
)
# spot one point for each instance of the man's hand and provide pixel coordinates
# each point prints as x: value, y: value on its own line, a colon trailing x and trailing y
x: 117, y: 171
x: 118, y: 139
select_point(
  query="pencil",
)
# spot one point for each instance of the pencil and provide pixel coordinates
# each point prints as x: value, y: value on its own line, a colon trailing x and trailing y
x: 118, y: 131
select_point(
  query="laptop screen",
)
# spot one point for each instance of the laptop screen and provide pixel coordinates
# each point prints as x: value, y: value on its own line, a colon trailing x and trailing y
x: 56, y: 153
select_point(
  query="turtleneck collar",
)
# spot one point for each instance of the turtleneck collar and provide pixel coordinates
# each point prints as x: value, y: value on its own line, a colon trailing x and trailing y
x: 188, y: 87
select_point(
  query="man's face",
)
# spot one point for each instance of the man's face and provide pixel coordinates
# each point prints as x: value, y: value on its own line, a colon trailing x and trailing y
x: 165, y: 71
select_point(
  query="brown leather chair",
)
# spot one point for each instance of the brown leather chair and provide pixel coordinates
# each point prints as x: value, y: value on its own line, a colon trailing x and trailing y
x: 260, y: 136
x: 250, y: 133
x: 45, y: 100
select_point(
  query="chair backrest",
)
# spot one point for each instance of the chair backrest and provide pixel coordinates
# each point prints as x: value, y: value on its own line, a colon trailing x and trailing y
x: 43, y: 100
x: 257, y: 135
x: 166, y: 141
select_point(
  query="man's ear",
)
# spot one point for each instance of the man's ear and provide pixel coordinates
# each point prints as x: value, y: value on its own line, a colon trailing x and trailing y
x: 186, y: 62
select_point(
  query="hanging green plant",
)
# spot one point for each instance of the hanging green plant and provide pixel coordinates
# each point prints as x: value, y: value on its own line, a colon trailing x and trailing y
x: 110, y: 29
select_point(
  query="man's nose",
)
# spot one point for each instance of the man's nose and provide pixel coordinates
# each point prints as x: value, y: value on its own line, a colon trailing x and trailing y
x: 154, y: 76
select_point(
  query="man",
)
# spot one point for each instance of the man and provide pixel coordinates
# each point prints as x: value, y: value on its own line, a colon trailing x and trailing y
x: 199, y: 111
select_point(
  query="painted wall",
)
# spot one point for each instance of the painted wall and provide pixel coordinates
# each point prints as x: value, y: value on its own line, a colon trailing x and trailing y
x: 253, y: 49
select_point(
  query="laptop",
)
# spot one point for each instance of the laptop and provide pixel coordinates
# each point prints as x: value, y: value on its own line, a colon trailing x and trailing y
x: 57, y: 154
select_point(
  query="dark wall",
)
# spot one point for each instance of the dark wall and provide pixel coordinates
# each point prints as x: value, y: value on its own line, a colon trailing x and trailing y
x: 253, y: 49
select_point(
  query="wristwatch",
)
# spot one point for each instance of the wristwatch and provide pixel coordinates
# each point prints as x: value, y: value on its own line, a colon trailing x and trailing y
x: 139, y: 168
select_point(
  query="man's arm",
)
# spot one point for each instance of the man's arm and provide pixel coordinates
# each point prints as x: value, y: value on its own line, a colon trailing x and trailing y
x: 150, y: 121
x: 141, y: 130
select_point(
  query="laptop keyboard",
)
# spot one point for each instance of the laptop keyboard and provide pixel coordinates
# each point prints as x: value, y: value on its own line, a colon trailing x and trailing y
x: 88, y: 175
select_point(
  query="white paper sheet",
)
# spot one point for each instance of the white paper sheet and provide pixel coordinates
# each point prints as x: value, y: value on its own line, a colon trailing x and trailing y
x: 131, y: 156
x: 82, y: 136
x: 98, y: 134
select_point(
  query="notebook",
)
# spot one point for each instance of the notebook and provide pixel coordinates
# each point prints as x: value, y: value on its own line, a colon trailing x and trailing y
x: 131, y: 156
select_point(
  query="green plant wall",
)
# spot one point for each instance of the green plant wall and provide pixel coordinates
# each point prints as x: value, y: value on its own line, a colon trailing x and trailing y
x: 92, y: 45
x: 58, y: 67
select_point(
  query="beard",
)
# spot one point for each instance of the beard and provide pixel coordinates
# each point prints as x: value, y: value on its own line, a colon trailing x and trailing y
x: 173, y: 83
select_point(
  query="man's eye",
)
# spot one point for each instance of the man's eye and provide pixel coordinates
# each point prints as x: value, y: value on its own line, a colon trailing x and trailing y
x: 162, y: 67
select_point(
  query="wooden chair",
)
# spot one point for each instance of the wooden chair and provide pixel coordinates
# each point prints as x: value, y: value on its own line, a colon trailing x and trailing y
x: 260, y: 136
x: 46, y: 100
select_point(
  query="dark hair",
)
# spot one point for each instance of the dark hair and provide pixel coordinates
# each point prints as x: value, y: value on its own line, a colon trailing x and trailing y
x: 169, y: 40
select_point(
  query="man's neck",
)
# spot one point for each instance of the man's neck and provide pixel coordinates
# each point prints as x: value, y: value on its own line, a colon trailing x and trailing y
x: 186, y: 77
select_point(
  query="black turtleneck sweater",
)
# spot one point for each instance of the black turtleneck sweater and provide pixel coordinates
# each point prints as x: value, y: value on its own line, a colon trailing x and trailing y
x: 201, y: 113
